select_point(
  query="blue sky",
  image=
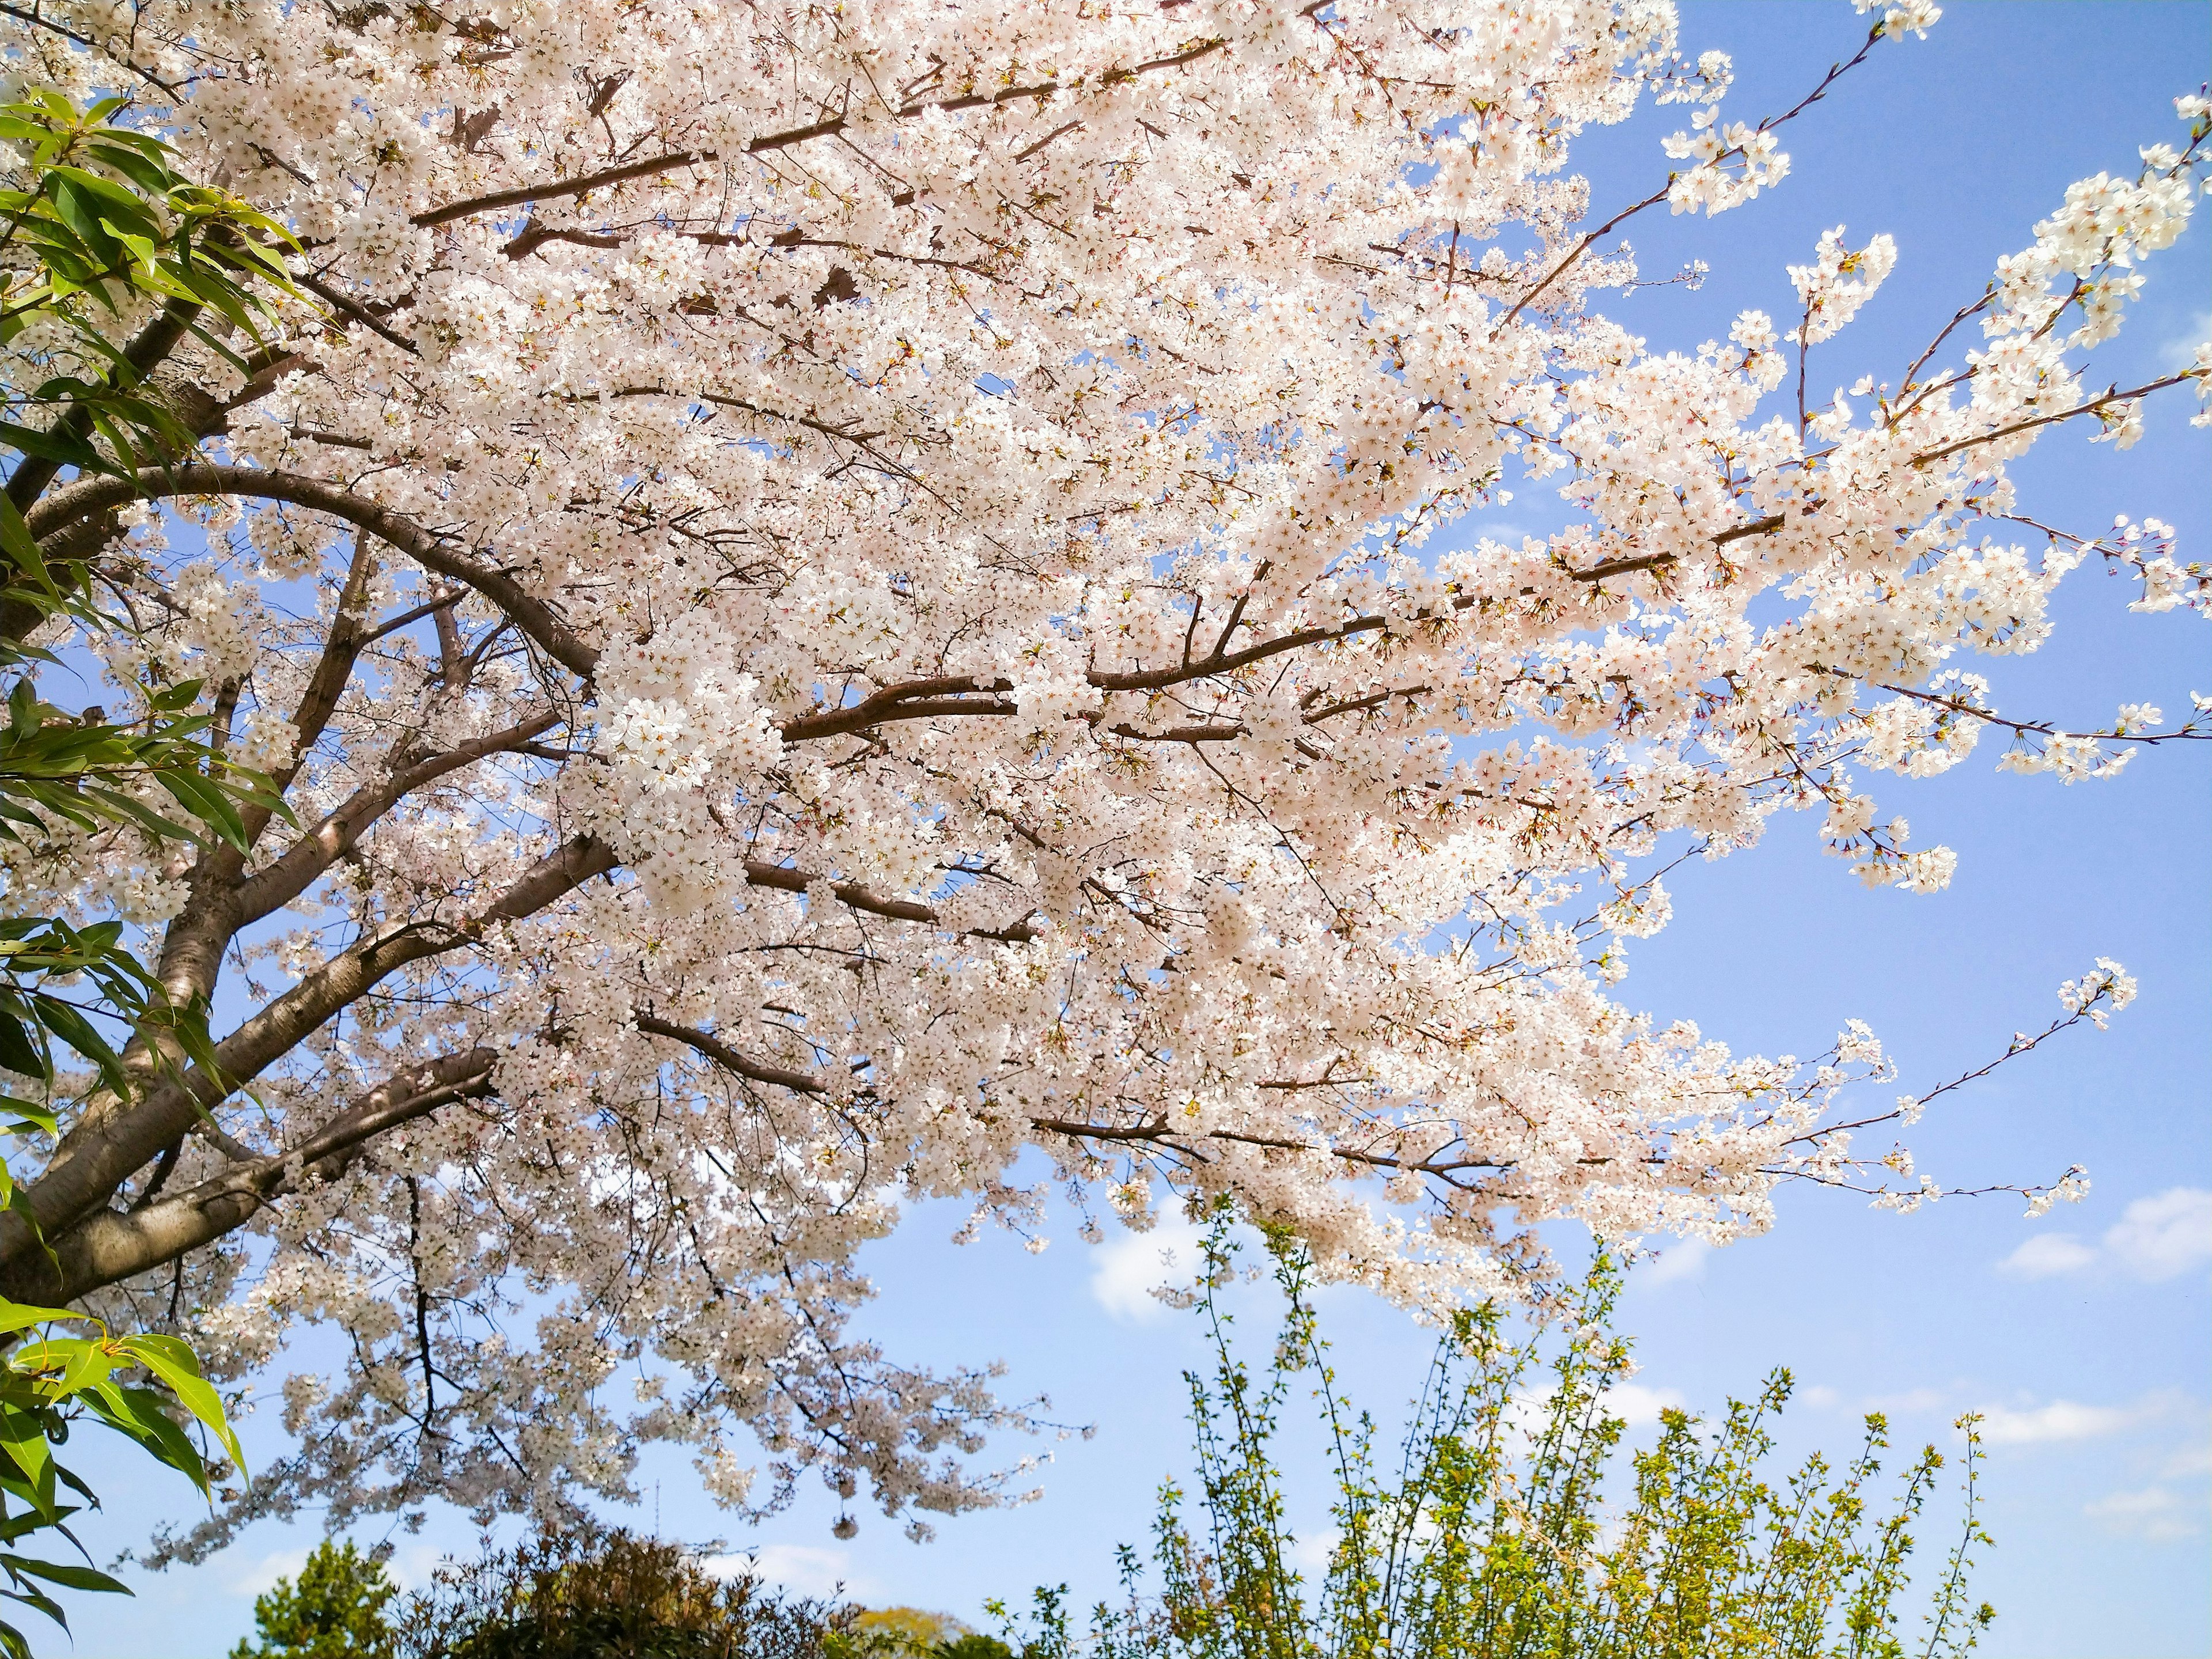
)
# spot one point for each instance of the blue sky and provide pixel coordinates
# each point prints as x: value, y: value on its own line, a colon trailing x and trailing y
x: 2090, y: 1350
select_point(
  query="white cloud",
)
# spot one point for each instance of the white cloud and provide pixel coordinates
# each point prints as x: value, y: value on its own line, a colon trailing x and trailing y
x: 1638, y: 1405
x: 1310, y: 1554
x: 2154, y: 1513
x: 2164, y: 1236
x: 411, y: 1568
x: 2193, y: 1458
x: 1131, y: 1264
x: 2156, y: 1238
x: 2047, y: 1255
x: 259, y: 1576
x: 1678, y: 1263
x: 802, y: 1568
x: 415, y: 1567
x: 2061, y: 1419
x: 1819, y: 1397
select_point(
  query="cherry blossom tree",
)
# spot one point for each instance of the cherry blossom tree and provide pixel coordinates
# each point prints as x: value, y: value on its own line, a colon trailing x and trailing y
x: 864, y: 604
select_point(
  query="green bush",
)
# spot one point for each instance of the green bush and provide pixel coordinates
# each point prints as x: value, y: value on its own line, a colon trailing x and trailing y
x: 609, y: 1595
x: 1489, y: 1536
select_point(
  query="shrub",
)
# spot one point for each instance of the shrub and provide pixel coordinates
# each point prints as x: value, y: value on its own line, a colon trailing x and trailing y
x: 1489, y: 1536
x: 590, y: 1594
x: 913, y: 1633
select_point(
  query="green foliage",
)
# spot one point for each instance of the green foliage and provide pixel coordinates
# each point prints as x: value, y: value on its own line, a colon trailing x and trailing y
x: 51, y: 1381
x: 94, y: 218
x: 95, y: 224
x: 911, y: 1634
x: 54, y: 765
x: 1490, y: 1536
x: 101, y: 219
x: 335, y: 1611
x: 592, y: 1595
x: 972, y: 1644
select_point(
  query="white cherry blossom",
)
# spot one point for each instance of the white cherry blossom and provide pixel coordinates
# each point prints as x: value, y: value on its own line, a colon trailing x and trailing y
x: 871, y: 603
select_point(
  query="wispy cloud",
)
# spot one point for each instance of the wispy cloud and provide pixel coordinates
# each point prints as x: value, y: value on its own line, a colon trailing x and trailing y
x: 2025, y: 1423
x: 2159, y: 1512
x: 2165, y: 1236
x: 2047, y: 1255
x: 2194, y: 1457
x: 411, y: 1568
x: 258, y: 1576
x: 1638, y: 1405
x: 2155, y: 1513
x: 2156, y: 1238
x: 2178, y: 352
x: 811, y: 1570
x: 1130, y: 1267
x: 1679, y: 1263
x: 2061, y: 1419
x: 1309, y: 1553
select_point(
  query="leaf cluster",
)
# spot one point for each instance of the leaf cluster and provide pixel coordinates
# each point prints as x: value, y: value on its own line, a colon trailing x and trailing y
x: 101, y: 215
x: 95, y: 222
x: 137, y: 1386
x: 102, y: 219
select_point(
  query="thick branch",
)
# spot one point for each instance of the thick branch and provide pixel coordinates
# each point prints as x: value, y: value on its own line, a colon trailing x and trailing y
x: 280, y: 883
x: 729, y: 1058
x: 109, y: 1246
x: 95, y: 1158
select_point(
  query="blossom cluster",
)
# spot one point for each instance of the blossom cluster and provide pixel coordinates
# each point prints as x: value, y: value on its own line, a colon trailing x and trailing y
x: 842, y: 597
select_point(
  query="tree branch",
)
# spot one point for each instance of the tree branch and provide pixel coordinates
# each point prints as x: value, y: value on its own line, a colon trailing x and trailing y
x: 104, y: 1149
x: 109, y: 1246
x: 428, y: 549
x: 768, y: 143
x: 729, y: 1058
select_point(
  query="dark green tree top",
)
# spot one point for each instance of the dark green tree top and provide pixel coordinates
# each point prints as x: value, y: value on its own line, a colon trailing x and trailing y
x: 335, y: 1610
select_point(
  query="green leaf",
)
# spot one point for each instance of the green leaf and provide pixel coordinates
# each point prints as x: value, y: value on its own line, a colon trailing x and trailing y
x: 138, y: 1412
x: 69, y: 1024
x: 44, y: 1603
x: 17, y: 1053
x: 64, y: 1574
x: 116, y: 804
x: 34, y: 1519
x: 196, y: 1394
x: 111, y: 198
x: 18, y: 1317
x: 80, y: 214
x: 183, y: 695
x: 89, y: 1364
x: 15, y: 537
x: 205, y: 802
x: 23, y: 1438
x: 144, y: 171
x: 31, y: 1118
